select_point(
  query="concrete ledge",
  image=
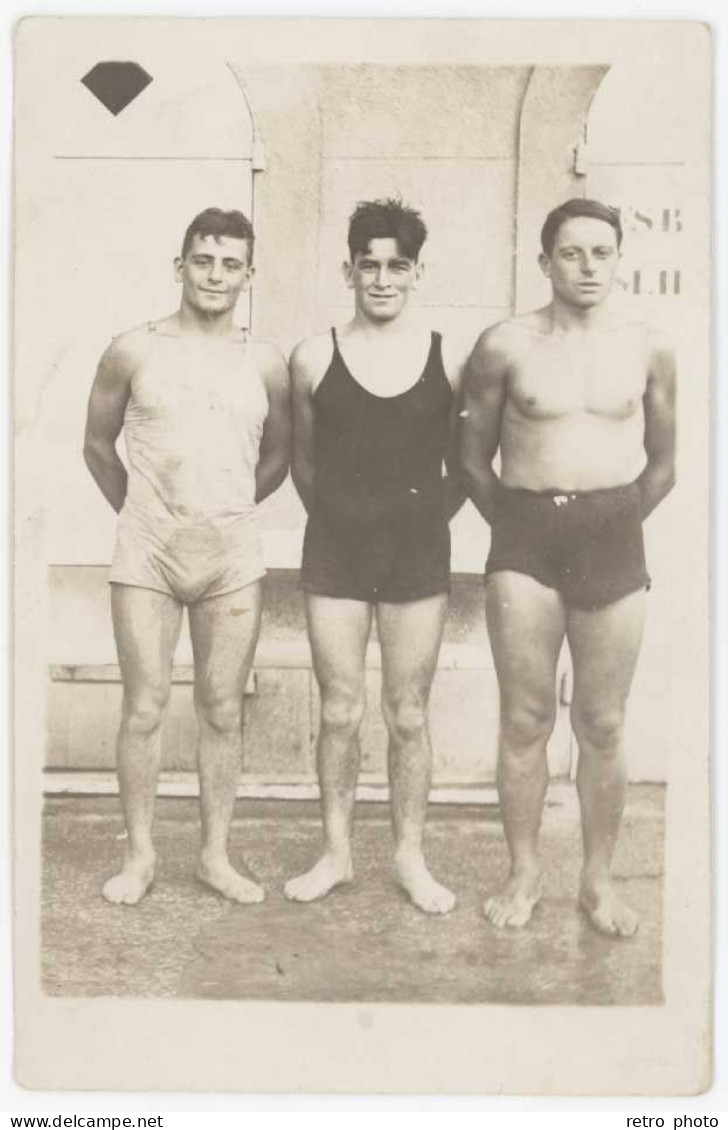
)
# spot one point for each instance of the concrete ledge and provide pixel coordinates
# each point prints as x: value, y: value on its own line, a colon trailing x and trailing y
x: 290, y: 656
x: 293, y: 787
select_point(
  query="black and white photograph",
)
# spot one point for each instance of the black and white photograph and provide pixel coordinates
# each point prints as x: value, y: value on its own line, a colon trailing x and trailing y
x: 362, y: 410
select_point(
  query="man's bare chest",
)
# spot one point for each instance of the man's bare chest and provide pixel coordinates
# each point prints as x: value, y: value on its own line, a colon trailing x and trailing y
x: 606, y: 378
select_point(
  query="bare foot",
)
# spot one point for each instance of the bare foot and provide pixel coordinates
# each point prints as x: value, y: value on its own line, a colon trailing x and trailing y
x: 132, y: 882
x: 514, y: 905
x: 425, y: 892
x: 605, y: 909
x: 329, y: 872
x: 218, y: 873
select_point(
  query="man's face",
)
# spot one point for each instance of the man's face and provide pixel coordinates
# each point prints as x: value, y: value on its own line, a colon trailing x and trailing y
x: 213, y: 273
x: 583, y: 262
x: 382, y: 278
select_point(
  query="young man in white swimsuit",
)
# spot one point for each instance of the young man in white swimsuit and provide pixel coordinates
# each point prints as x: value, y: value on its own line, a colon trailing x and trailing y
x: 206, y: 419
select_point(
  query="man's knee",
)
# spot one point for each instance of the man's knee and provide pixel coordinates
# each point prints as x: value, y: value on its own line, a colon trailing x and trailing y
x: 143, y: 713
x: 526, y: 723
x: 221, y: 713
x: 342, y: 712
x: 598, y: 727
x: 405, y: 716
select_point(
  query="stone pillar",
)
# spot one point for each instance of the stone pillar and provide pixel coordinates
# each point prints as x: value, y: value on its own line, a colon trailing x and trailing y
x: 553, y: 120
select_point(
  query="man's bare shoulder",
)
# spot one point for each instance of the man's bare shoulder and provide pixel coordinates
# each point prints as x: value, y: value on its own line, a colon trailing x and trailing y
x: 661, y: 357
x: 658, y: 341
x: 271, y: 366
x: 625, y: 324
x: 654, y: 340
x: 311, y: 358
x: 127, y: 352
x: 455, y: 354
x: 506, y: 339
x: 267, y: 356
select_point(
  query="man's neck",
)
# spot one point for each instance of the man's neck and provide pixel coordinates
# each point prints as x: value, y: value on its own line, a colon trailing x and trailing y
x: 577, y: 319
x: 195, y: 323
x: 386, y: 330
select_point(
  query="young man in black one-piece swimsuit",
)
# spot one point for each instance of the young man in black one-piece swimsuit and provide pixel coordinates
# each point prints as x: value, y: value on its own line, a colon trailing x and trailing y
x: 374, y: 424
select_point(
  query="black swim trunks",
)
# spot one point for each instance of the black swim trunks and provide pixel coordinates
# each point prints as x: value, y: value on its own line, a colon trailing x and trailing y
x: 394, y: 563
x: 586, y: 544
x: 378, y: 530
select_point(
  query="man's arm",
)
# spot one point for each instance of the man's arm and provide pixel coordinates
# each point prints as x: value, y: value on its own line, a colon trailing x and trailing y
x: 306, y: 365
x: 658, y: 477
x: 275, y: 444
x: 105, y: 419
x: 453, y: 488
x: 484, y: 397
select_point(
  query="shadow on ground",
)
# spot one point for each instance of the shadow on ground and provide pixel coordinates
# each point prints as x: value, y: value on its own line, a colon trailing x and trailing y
x: 364, y: 942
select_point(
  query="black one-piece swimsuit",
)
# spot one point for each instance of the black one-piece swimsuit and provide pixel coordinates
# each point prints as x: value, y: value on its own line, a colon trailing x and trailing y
x: 378, y: 530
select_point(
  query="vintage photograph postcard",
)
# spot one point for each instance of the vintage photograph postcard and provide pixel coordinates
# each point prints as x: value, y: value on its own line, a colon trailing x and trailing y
x: 362, y: 429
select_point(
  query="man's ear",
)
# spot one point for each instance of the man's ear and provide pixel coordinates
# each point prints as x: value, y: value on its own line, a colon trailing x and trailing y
x: 249, y: 275
x: 178, y: 267
x: 545, y: 264
x: 419, y: 271
x: 347, y: 271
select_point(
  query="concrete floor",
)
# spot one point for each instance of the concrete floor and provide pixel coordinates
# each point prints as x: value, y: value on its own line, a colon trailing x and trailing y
x: 364, y: 942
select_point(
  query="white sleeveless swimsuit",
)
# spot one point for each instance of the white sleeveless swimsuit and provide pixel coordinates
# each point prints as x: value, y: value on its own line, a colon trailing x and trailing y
x: 192, y: 428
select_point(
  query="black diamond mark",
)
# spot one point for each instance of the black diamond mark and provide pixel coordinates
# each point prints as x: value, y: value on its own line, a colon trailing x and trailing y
x: 116, y: 84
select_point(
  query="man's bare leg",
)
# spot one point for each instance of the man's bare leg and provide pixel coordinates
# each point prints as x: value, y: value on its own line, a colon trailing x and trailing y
x: 410, y: 636
x: 146, y: 628
x: 338, y: 631
x: 526, y: 625
x: 604, y: 647
x: 224, y: 632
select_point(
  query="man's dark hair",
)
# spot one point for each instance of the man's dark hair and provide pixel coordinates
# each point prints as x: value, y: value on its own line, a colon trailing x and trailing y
x: 386, y: 219
x: 592, y: 209
x: 218, y: 223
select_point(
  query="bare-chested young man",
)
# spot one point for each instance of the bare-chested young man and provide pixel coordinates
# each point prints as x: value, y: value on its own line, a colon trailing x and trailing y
x: 206, y: 418
x: 374, y: 418
x: 580, y: 402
